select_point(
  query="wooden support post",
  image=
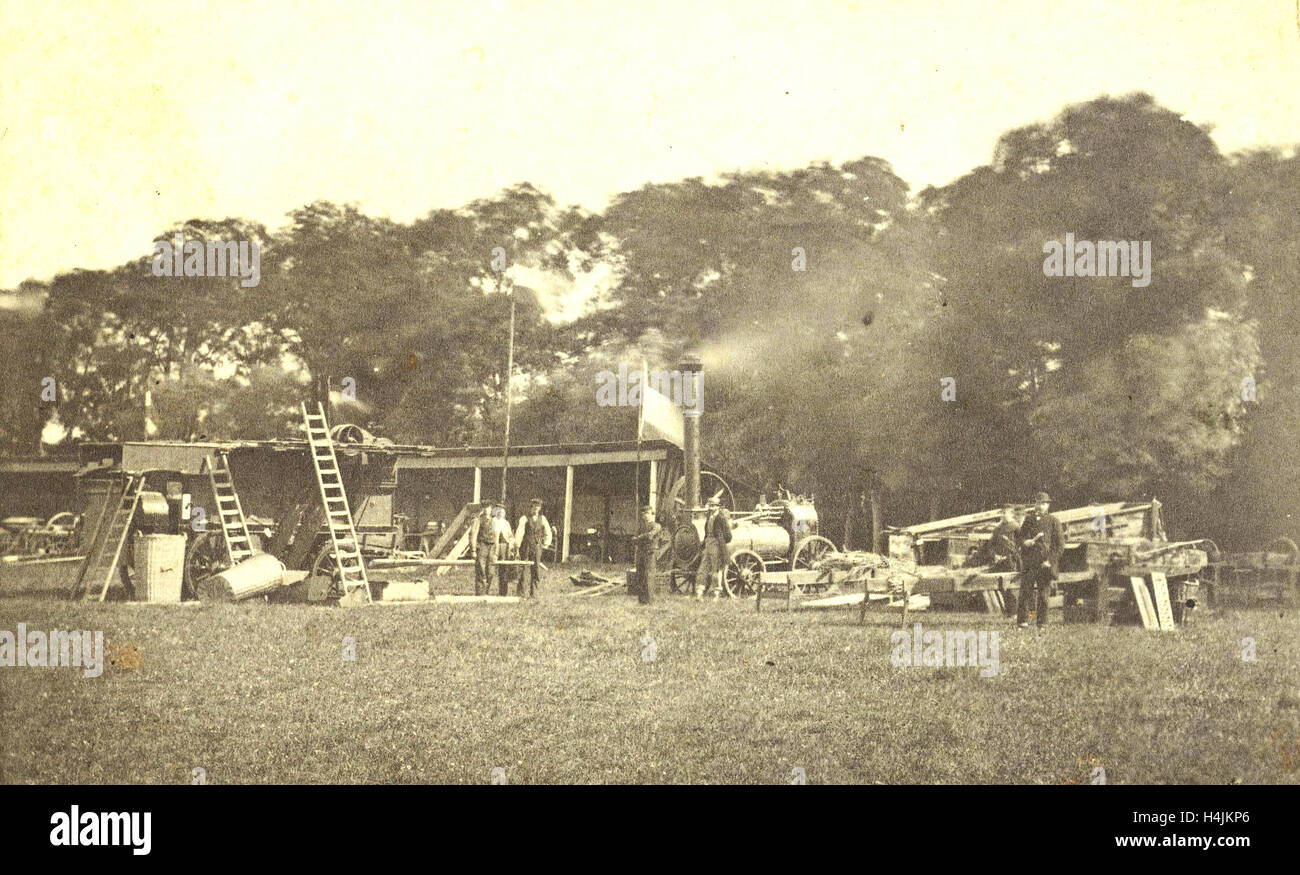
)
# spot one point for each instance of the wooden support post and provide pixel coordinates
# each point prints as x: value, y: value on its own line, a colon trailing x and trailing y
x: 607, y: 522
x: 568, y: 511
x: 653, y: 497
x: 478, y: 485
x: 877, y: 529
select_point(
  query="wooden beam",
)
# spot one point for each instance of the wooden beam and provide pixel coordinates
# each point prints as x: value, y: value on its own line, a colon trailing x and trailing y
x: 548, y: 460
x: 654, y: 487
x: 478, y: 485
x: 568, y: 510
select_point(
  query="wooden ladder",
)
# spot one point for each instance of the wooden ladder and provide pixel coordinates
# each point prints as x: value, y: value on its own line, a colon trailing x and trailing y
x: 104, y: 559
x: 338, y: 516
x: 234, y: 526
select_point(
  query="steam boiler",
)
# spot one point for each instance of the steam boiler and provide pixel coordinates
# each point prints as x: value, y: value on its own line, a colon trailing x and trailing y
x: 779, y: 536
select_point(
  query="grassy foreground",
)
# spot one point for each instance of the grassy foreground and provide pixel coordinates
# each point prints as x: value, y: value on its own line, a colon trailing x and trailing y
x: 564, y: 690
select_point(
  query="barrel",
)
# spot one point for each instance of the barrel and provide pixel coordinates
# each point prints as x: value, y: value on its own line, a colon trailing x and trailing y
x: 256, y: 575
x: 159, y: 568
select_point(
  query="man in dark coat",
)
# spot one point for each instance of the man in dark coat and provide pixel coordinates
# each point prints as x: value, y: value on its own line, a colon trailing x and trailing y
x: 1003, y: 550
x: 1042, y: 541
x: 646, y: 538
x: 713, y: 559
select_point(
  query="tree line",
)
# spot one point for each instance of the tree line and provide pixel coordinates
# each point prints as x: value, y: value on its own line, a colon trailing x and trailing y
x: 857, y: 336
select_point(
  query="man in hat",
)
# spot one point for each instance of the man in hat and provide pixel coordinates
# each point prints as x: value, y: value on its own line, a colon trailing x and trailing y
x: 484, y: 543
x: 646, y: 537
x: 532, y: 537
x: 1042, y: 541
x: 713, y: 562
x: 505, y: 548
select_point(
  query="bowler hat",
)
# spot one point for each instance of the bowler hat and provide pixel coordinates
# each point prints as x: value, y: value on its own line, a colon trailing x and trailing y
x: 1043, y: 497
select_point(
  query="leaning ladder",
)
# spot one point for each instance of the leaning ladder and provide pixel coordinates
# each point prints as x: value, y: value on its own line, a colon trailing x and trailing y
x: 234, y: 526
x: 338, y: 516
x: 103, y: 562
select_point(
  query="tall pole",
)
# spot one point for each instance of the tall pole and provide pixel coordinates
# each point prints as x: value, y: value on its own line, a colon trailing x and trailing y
x: 510, y: 372
x: 640, y: 426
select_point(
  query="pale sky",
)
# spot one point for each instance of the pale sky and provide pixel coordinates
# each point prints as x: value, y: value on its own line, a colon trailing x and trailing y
x: 121, y: 119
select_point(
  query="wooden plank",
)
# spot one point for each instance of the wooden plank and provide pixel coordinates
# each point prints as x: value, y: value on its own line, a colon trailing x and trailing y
x: 1164, y: 611
x: 457, y: 551
x: 449, y: 534
x: 800, y: 577
x: 1143, y: 599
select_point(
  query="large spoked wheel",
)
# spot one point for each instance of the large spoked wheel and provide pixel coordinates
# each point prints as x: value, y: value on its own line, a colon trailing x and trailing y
x: 325, y: 566
x: 808, y: 556
x: 810, y: 553
x: 710, y: 484
x: 741, y: 577
x: 205, y: 555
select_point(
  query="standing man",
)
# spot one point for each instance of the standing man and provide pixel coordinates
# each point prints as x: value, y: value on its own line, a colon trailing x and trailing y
x: 713, y: 562
x: 505, y: 548
x: 1042, y: 541
x: 646, y: 537
x: 484, y: 538
x: 531, y: 538
x: 1003, y: 549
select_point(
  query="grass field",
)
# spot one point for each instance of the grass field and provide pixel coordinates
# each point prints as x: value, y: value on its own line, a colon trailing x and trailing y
x: 561, y: 691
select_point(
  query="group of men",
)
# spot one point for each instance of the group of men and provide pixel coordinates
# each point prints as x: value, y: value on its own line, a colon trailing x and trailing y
x: 492, y: 540
x: 713, y: 562
x: 1032, y: 547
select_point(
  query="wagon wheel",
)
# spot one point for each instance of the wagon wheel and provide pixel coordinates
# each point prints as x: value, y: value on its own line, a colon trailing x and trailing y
x: 6, y: 538
x: 808, y: 556
x: 325, y: 566
x: 811, y: 551
x: 741, y: 577
x: 205, y: 555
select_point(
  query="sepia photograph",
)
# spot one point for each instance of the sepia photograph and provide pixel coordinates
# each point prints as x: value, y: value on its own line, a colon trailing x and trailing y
x: 885, y: 393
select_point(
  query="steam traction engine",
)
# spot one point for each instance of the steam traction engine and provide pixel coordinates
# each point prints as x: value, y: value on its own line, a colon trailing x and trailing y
x: 780, y: 536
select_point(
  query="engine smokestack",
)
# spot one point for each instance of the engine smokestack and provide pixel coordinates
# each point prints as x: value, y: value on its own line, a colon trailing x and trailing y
x: 691, y: 368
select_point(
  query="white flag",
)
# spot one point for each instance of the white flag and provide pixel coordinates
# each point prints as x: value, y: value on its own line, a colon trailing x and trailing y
x: 660, y: 418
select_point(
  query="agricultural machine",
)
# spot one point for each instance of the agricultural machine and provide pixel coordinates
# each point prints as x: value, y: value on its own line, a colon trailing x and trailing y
x: 1108, y: 548
x: 31, y: 536
x: 777, y: 536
